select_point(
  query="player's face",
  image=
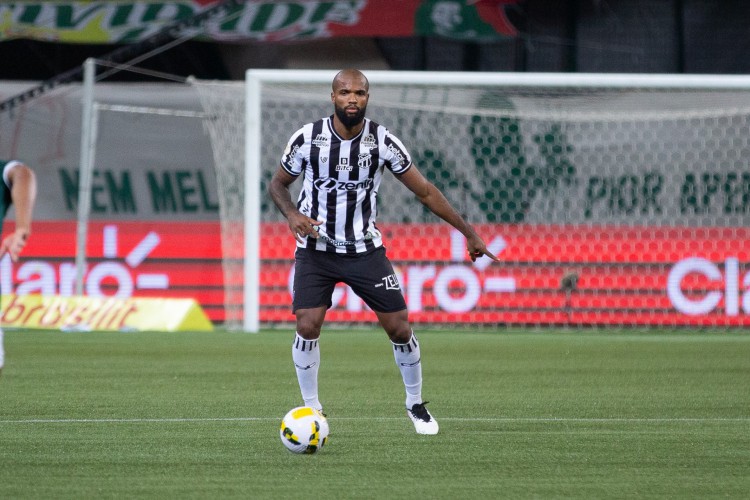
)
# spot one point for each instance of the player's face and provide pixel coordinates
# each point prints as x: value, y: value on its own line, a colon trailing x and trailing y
x: 350, y: 100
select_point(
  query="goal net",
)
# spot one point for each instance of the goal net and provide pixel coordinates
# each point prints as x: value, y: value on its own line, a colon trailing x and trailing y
x: 127, y: 203
x: 609, y: 199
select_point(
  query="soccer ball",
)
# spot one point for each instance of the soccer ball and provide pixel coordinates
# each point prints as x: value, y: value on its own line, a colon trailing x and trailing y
x: 304, y: 430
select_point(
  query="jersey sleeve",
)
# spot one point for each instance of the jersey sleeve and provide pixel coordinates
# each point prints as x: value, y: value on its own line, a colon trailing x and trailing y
x: 6, y: 169
x: 396, y: 157
x: 293, y: 158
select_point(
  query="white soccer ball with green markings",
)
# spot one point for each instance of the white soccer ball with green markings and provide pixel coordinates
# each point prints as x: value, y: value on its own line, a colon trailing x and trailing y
x: 304, y: 430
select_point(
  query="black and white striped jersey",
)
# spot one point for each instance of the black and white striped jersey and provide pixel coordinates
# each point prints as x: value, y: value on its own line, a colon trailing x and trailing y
x: 341, y: 180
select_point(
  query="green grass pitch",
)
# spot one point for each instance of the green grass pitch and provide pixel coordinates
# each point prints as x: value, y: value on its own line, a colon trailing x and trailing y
x: 545, y: 414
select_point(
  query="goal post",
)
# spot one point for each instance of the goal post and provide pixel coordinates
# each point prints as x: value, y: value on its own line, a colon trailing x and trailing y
x: 611, y: 200
x: 143, y: 178
x: 254, y: 137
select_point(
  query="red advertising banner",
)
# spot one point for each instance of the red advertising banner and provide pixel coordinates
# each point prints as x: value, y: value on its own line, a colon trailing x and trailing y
x: 266, y: 20
x: 548, y: 275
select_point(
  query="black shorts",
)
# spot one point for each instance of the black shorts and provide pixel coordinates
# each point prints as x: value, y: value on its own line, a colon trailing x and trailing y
x: 370, y: 275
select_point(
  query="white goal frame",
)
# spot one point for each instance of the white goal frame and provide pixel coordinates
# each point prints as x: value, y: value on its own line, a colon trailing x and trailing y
x: 91, y: 109
x: 255, y: 79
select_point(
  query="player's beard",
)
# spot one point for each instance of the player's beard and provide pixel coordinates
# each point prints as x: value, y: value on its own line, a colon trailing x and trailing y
x: 348, y: 120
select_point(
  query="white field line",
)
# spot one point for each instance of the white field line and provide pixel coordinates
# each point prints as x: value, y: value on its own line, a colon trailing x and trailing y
x: 450, y: 419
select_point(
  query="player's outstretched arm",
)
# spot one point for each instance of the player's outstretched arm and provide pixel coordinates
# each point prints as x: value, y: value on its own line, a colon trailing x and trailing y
x: 431, y: 197
x: 300, y: 225
x: 23, y: 194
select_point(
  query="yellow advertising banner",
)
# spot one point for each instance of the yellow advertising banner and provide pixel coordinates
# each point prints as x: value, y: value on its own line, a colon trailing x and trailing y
x: 103, y: 314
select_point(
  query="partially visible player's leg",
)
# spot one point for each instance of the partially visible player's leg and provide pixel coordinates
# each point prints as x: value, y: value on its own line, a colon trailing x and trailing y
x: 306, y: 353
x: 406, y: 352
x: 313, y: 291
x: 409, y: 361
x: 2, y: 351
x: 373, y: 279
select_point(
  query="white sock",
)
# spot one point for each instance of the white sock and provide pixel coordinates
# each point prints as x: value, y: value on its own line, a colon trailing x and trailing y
x: 408, y: 360
x: 306, y: 357
x: 2, y: 351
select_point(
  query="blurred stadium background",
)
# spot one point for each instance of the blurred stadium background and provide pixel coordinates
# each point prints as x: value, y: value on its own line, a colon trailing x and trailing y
x: 601, y: 147
x: 624, y: 205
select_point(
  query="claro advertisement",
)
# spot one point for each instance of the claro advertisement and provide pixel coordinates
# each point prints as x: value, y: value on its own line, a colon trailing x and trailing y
x: 546, y: 275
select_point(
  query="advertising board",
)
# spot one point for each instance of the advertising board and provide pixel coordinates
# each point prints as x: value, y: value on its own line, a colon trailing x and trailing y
x: 547, y: 275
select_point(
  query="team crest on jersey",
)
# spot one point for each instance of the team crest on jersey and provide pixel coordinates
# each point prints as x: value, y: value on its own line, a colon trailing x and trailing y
x: 320, y: 141
x: 343, y: 165
x: 369, y: 142
x: 364, y: 160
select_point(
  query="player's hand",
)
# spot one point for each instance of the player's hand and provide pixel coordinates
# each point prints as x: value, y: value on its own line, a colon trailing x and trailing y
x: 476, y: 248
x: 303, y: 226
x: 14, y: 243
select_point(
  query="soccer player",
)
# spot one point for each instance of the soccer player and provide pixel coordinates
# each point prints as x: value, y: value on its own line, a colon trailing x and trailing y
x: 19, y: 188
x: 341, y: 159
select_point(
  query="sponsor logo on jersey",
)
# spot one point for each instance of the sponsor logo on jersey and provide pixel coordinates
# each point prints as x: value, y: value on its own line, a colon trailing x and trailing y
x: 368, y: 142
x: 364, y: 160
x: 290, y: 154
x: 320, y: 141
x: 369, y: 235
x: 336, y: 243
x: 397, y: 154
x: 343, y: 165
x: 329, y: 184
